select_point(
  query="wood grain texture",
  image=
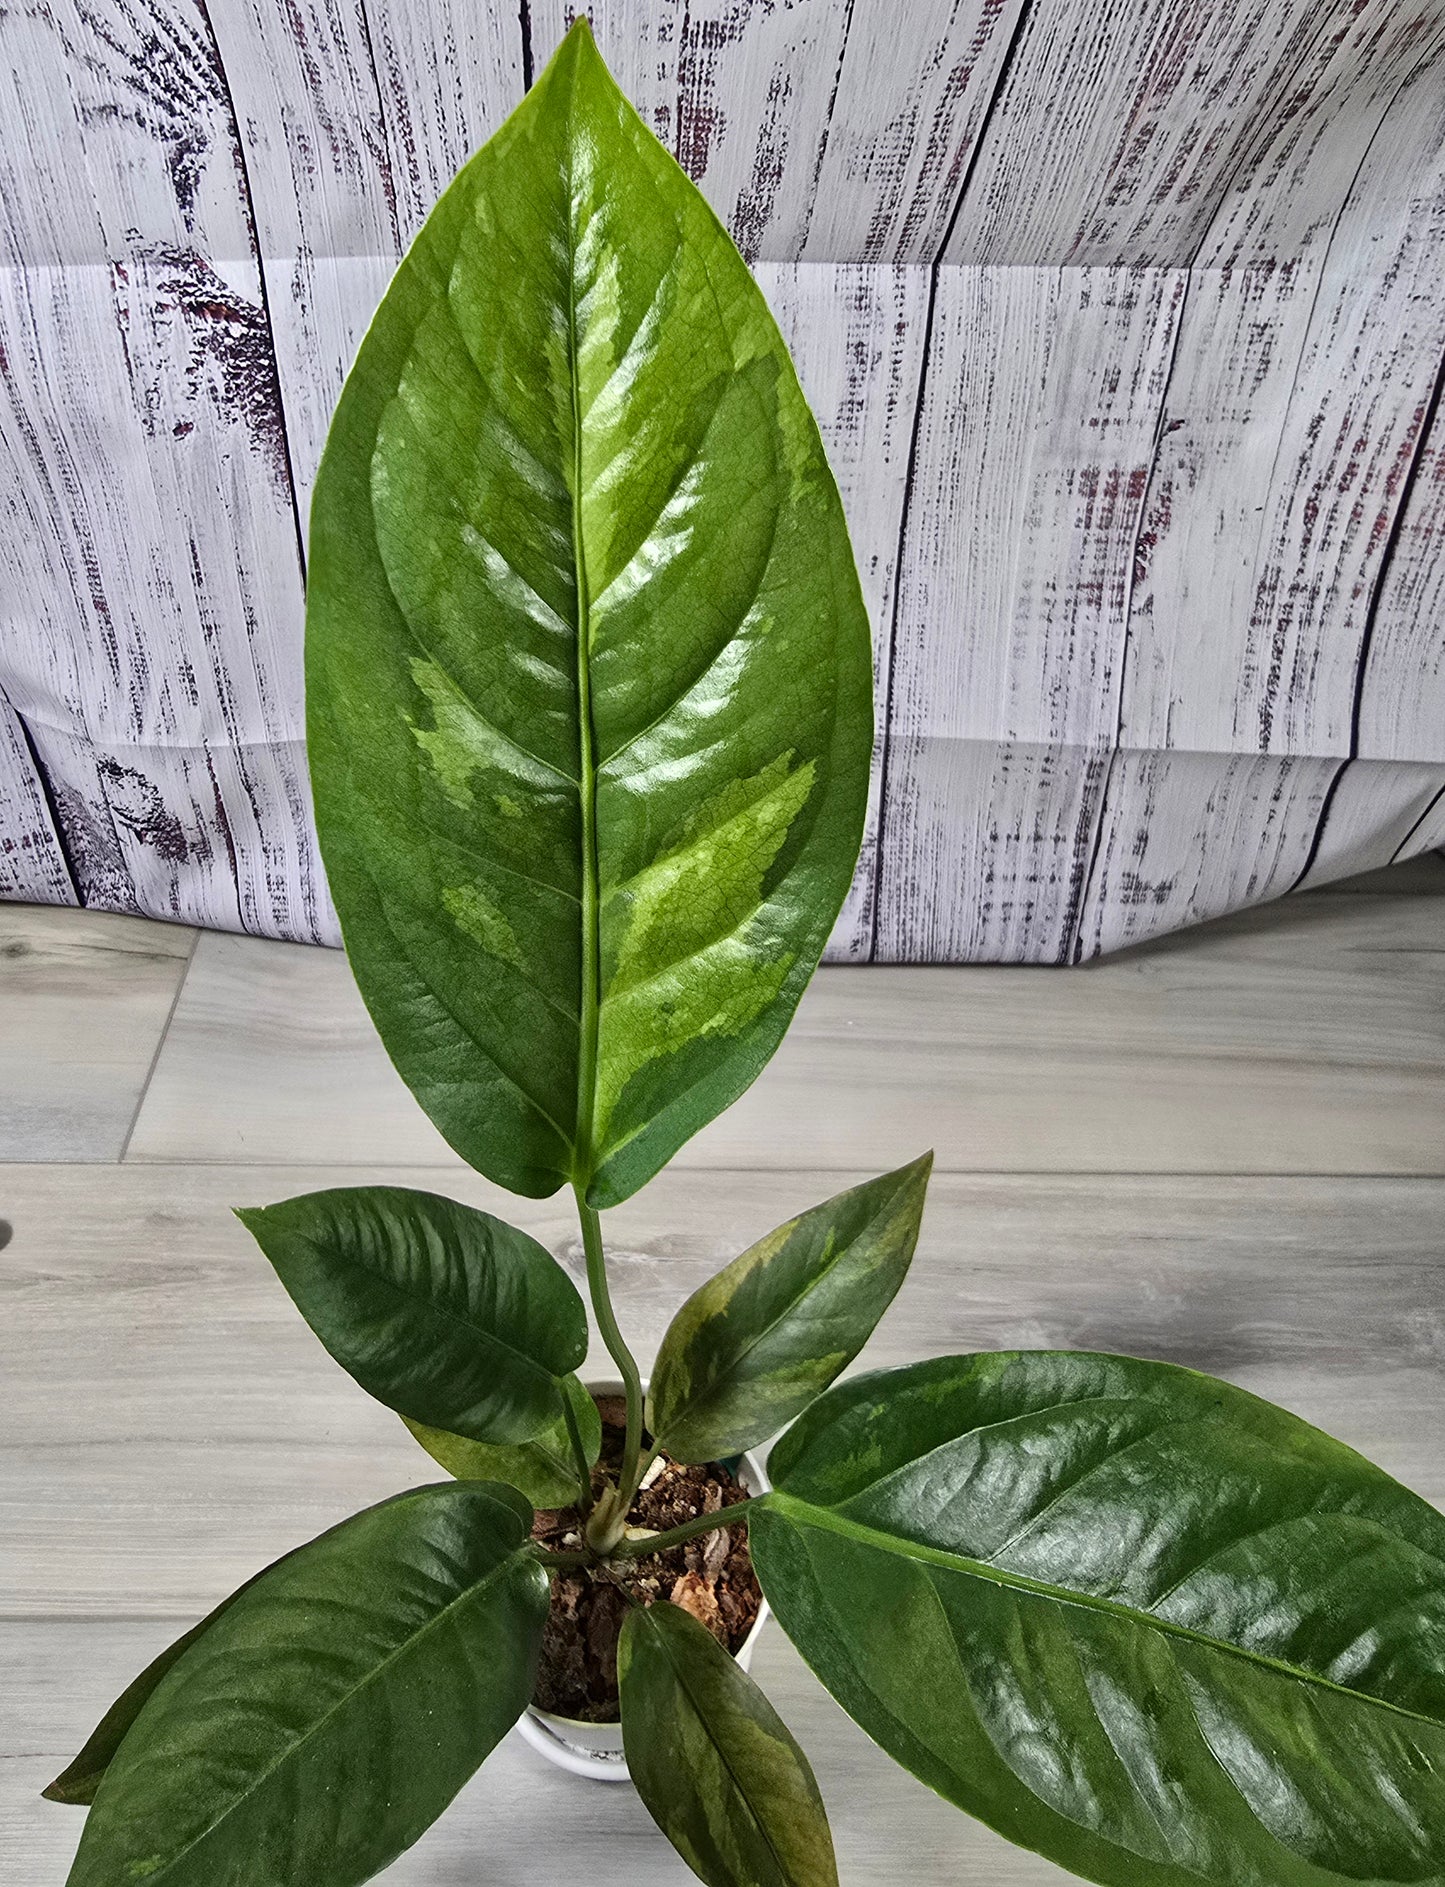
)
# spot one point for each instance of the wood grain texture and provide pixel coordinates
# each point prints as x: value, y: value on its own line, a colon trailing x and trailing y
x: 1307, y: 357
x: 741, y: 94
x: 907, y: 112
x: 1307, y: 354
x: 1401, y: 694
x: 160, y: 1454
x: 1189, y: 835
x: 1376, y: 812
x: 84, y: 1001
x: 432, y: 128
x: 308, y: 111
x: 519, y: 1812
x: 129, y: 1513
x: 1166, y: 100
x: 1125, y: 332
x: 1306, y: 1037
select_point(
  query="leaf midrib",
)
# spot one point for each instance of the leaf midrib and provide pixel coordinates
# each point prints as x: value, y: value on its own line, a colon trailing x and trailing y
x: 589, y: 1004
x: 515, y: 1557
x: 804, y: 1513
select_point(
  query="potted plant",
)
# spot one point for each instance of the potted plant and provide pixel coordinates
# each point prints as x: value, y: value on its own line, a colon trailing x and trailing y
x: 589, y: 695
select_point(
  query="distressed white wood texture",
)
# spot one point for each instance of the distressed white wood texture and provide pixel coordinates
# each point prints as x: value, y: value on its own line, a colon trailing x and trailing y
x: 1035, y: 438
x: 1307, y: 358
x: 32, y: 863
x: 1240, y: 609
x: 152, y: 625
x: 856, y: 334
x: 722, y: 84
x: 1305, y: 1038
x: 1402, y: 683
x: 1125, y: 331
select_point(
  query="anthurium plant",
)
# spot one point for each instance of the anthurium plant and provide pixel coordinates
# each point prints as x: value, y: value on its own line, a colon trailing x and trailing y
x: 589, y: 690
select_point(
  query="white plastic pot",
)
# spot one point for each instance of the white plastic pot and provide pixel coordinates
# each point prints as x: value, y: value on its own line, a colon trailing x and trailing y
x: 595, y: 1749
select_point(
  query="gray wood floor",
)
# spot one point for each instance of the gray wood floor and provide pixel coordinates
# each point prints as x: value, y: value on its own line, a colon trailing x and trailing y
x: 1227, y: 1149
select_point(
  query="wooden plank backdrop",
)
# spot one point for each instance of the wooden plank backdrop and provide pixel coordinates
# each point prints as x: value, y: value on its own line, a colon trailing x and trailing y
x: 1124, y: 324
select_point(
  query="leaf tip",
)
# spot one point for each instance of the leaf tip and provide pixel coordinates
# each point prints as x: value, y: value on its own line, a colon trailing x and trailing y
x: 577, y: 50
x: 73, y: 1794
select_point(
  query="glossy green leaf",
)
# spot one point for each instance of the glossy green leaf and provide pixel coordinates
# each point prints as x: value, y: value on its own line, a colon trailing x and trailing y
x: 443, y: 1313
x: 716, y: 1766
x: 755, y: 1345
x: 1157, y: 1629
x: 80, y: 1778
x: 545, y: 1469
x: 328, y: 1715
x: 588, y: 673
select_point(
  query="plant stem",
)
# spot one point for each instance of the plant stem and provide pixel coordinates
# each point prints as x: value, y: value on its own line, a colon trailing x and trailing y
x: 736, y: 1515
x: 564, y: 1562
x: 612, y: 1336
x: 579, y: 1453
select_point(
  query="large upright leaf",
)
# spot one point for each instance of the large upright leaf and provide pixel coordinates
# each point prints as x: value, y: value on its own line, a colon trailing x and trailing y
x: 1141, y: 1621
x: 445, y: 1314
x: 588, y: 671
x: 329, y: 1713
x: 718, y: 1769
x: 753, y: 1346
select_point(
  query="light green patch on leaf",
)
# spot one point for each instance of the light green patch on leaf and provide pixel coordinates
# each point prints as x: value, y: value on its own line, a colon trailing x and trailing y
x: 480, y: 918
x: 451, y: 744
x: 691, y: 959
x: 709, y: 884
x: 461, y: 744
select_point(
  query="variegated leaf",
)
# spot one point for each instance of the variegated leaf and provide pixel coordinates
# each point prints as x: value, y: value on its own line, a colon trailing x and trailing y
x: 752, y: 1347
x: 588, y: 670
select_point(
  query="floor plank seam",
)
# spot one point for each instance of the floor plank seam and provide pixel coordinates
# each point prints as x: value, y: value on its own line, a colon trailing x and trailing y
x: 190, y: 958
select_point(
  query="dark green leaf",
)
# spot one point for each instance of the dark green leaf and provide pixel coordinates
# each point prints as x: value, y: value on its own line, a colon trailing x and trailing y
x: 589, y: 683
x: 544, y: 1469
x: 79, y: 1780
x: 756, y: 1344
x: 1141, y: 1621
x: 328, y: 1714
x: 443, y: 1313
x: 714, y: 1763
